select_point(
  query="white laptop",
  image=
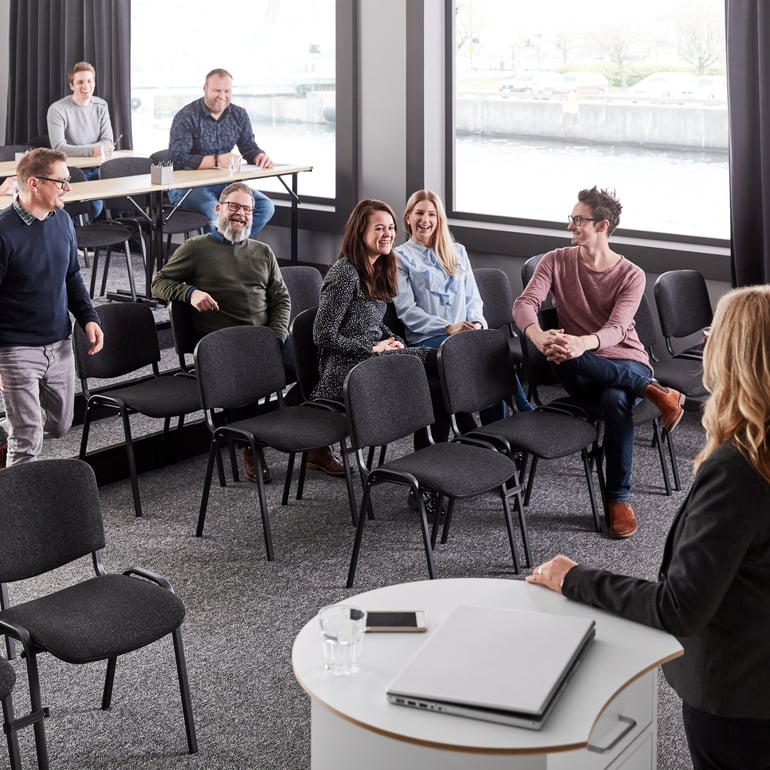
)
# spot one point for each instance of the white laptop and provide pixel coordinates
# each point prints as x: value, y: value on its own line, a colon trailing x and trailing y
x: 498, y: 665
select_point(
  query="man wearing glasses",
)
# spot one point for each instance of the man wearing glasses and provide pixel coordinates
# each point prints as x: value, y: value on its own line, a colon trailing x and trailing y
x: 40, y: 284
x: 232, y: 280
x: 596, y: 353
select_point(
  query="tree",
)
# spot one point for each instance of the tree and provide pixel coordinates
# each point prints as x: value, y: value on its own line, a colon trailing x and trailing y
x: 618, y: 40
x: 701, y: 34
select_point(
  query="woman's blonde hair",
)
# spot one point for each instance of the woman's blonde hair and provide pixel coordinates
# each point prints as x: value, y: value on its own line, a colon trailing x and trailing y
x: 736, y: 372
x: 443, y: 244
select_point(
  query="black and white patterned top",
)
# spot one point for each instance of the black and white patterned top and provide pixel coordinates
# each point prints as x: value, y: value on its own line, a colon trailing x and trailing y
x: 348, y: 325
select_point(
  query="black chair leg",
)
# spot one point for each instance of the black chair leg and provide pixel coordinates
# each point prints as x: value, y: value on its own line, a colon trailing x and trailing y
x: 109, y: 679
x: 263, y: 505
x: 302, y: 476
x: 94, y: 268
x: 349, y: 483
x: 287, y: 481
x: 591, y: 493
x: 10, y: 729
x: 10, y: 645
x: 131, y: 462
x: 359, y: 535
x: 184, y: 689
x: 658, y: 441
x: 672, y: 456
x: 509, y: 527
x: 107, y: 257
x: 213, y: 450
x: 426, y: 534
x: 130, y: 270
x: 37, y: 712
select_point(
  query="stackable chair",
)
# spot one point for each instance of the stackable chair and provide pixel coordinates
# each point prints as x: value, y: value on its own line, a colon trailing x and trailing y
x: 8, y: 151
x: 684, y: 309
x: 98, y: 236
x: 497, y: 296
x: 131, y: 344
x: 240, y: 366
x: 387, y: 398
x: 51, y: 517
x: 476, y: 371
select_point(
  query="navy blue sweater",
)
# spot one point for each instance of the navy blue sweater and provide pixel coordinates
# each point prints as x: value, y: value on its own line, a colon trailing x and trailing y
x: 40, y: 280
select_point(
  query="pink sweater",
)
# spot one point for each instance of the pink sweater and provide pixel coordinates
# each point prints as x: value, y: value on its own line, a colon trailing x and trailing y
x: 588, y: 301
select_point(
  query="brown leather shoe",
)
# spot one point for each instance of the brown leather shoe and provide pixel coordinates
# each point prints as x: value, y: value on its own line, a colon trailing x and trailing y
x: 622, y: 520
x: 669, y: 403
x: 250, y: 467
x: 325, y: 460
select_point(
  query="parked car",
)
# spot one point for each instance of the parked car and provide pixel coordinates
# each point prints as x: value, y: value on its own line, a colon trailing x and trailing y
x: 664, y: 85
x: 582, y: 83
x: 711, y: 87
x: 538, y: 82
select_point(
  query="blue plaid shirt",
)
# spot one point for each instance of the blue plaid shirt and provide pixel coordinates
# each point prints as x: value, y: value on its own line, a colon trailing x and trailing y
x: 194, y: 134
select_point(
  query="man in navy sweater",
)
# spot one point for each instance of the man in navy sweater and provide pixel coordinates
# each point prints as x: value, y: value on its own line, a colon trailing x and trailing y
x: 40, y: 284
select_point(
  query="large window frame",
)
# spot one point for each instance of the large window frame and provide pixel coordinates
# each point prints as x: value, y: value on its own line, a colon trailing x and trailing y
x: 654, y: 252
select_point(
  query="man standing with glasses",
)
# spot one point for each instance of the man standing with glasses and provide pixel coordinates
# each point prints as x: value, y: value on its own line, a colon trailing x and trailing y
x: 40, y: 284
x: 232, y: 280
x: 597, y: 353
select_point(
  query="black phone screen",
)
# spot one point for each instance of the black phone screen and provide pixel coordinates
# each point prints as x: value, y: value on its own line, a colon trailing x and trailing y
x: 378, y: 619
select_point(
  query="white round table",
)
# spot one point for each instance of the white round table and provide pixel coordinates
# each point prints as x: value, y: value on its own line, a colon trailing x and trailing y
x: 606, y: 715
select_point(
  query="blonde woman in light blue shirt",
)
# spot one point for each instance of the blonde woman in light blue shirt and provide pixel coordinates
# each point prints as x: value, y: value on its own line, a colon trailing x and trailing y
x: 437, y: 292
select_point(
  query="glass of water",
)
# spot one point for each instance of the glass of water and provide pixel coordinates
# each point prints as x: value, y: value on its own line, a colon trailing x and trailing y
x: 342, y: 631
x: 235, y: 164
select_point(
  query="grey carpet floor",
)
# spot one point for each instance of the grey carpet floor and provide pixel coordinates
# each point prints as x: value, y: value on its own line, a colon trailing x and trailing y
x: 244, y: 612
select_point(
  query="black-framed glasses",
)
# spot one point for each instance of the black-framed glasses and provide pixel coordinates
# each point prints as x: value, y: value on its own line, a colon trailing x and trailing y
x: 60, y: 182
x: 578, y: 220
x: 234, y: 208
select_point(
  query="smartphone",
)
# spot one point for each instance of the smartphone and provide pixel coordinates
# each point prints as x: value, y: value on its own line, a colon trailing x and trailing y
x: 413, y: 620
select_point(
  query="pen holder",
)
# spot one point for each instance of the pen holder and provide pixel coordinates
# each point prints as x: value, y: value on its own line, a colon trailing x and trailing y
x: 161, y: 174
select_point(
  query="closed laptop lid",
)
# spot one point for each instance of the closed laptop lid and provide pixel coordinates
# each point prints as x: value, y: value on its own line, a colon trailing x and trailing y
x: 496, y: 659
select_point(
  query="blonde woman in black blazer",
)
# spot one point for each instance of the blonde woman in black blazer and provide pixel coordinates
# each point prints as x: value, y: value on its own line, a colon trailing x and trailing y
x: 713, y: 591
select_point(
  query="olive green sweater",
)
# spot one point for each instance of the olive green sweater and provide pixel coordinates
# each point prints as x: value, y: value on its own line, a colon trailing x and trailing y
x: 243, y: 278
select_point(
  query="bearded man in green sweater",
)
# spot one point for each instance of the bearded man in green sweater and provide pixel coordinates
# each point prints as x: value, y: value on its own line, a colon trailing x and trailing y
x: 233, y: 280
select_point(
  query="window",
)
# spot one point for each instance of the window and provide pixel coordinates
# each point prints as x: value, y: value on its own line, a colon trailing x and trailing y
x: 551, y: 98
x: 281, y: 55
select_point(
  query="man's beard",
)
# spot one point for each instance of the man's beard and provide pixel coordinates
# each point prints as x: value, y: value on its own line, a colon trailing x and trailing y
x: 233, y: 231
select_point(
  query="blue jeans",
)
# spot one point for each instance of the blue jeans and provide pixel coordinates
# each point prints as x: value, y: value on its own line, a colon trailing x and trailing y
x: 96, y: 206
x: 205, y: 199
x: 617, y: 385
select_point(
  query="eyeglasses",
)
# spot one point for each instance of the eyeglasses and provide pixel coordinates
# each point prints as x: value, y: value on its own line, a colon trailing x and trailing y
x: 578, y: 220
x: 60, y: 182
x: 234, y: 208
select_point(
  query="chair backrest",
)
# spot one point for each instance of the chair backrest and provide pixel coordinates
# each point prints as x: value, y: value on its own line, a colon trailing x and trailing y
x: 497, y: 296
x: 119, y: 167
x: 393, y: 322
x: 131, y: 342
x: 238, y: 365
x: 476, y: 370
x: 186, y: 336
x: 304, y: 285
x: 387, y: 398
x: 50, y: 515
x: 305, y: 351
x: 161, y: 156
x: 645, y: 326
x: 8, y: 151
x: 529, y: 267
x: 77, y: 208
x: 682, y: 298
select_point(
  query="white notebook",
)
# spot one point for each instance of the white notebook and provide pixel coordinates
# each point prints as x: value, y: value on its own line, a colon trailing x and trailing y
x: 498, y: 665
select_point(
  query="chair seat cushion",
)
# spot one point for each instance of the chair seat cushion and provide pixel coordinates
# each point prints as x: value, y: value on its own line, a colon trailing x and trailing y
x: 166, y: 396
x: 543, y: 434
x: 184, y: 221
x: 7, y: 677
x: 294, y: 428
x: 453, y: 469
x: 100, y: 235
x: 99, y: 618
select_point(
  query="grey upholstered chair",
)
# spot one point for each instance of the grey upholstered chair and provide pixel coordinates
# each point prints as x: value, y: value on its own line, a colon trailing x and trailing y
x: 379, y: 413
x: 238, y: 367
x: 131, y: 345
x: 51, y: 517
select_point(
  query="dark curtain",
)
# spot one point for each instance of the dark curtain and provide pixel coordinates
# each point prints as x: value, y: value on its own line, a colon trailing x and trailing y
x: 46, y: 38
x: 748, y: 85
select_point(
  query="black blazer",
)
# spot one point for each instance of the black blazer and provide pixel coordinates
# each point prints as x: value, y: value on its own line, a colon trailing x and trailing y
x: 713, y: 591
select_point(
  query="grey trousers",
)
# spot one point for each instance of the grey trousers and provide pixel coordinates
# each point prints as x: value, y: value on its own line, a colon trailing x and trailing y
x: 38, y: 387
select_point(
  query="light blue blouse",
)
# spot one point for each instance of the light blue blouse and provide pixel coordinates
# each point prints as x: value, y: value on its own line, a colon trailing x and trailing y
x: 428, y: 299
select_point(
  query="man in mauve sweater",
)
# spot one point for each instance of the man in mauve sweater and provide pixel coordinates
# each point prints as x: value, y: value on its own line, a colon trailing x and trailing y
x: 40, y: 285
x: 597, y: 353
